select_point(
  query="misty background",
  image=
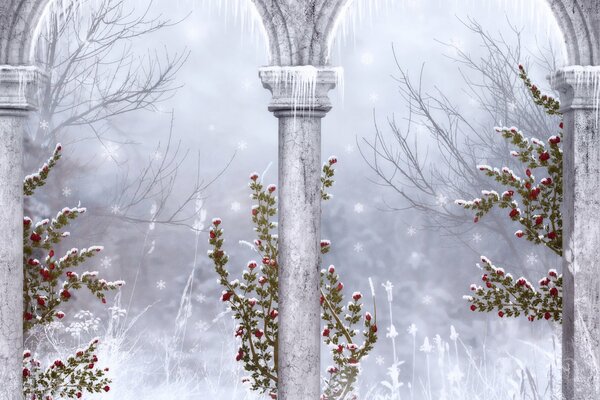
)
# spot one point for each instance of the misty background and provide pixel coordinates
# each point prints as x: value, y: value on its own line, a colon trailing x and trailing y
x: 215, y: 112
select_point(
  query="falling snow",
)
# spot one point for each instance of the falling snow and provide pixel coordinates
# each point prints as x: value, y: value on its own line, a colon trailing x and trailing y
x: 532, y: 258
x: 411, y: 231
x: 106, y: 262
x: 441, y: 200
x: 201, y: 298
x: 66, y: 191
x: 115, y: 209
x: 476, y: 238
x: 359, y: 208
x: 160, y: 285
x: 235, y: 206
x: 349, y: 149
x: 380, y: 360
x: 358, y: 247
x: 242, y: 145
x: 44, y: 124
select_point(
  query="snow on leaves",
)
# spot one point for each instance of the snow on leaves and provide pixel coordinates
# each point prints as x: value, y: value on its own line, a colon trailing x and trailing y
x: 253, y: 299
x: 511, y: 297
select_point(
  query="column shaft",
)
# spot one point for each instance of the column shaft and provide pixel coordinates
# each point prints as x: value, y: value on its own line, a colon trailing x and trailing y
x: 11, y: 254
x: 299, y: 257
x: 581, y: 232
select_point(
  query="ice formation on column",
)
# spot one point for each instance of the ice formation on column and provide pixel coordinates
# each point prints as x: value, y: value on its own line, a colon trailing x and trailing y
x: 301, y: 82
x: 25, y: 75
x: 587, y: 77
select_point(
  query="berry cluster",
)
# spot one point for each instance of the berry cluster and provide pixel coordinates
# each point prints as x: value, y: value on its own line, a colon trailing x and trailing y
x: 535, y: 205
x: 50, y: 282
x: 67, y: 379
x: 254, y: 302
x: 512, y: 297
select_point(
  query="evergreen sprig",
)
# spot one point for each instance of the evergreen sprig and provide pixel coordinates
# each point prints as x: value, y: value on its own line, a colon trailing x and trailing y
x: 254, y: 301
x: 48, y: 283
x: 517, y: 297
x: 535, y: 205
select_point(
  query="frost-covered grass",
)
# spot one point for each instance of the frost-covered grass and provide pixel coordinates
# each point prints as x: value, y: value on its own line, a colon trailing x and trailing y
x: 454, y: 370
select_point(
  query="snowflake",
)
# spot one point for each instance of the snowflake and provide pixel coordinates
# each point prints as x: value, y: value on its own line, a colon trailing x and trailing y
x: 358, y: 247
x: 411, y: 231
x: 235, y: 206
x: 106, y: 262
x: 373, y: 97
x: 200, y: 298
x: 66, y: 191
x: 427, y: 300
x: 476, y: 237
x: 115, y: 209
x: 380, y: 360
x: 359, y: 208
x: 111, y: 150
x: 532, y: 258
x: 160, y: 285
x: 349, y: 149
x: 441, y: 200
x: 211, y: 128
x: 511, y: 106
x: 201, y: 326
x: 44, y: 124
x: 367, y: 58
x: 158, y: 155
x: 242, y: 145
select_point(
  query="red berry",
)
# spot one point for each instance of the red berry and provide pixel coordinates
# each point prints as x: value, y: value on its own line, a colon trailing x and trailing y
x: 106, y: 388
x: 41, y: 302
x: 26, y: 373
x: 473, y: 307
x: 212, y: 234
x: 356, y: 296
x: 226, y: 295
x: 539, y: 220
x: 544, y: 156
x: 273, y: 314
x: 514, y: 213
x: 489, y: 285
x: 554, y: 292
x: 252, y: 265
x: 259, y: 333
x: 325, y: 332
x: 368, y: 316
x: 552, y: 235
x: 531, y: 318
x: 374, y: 329
x: 561, y: 125
x: 78, y: 395
x: 500, y: 313
x: 340, y: 286
x: 65, y: 294
x: 35, y: 237
x: 547, y: 315
x: 28, y: 316
x: 519, y: 234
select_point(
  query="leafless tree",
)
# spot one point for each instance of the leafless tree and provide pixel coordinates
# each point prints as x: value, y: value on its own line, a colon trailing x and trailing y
x: 430, y: 181
x: 94, y: 77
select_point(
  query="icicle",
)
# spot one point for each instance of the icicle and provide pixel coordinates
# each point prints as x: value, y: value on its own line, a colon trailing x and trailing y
x: 587, y: 77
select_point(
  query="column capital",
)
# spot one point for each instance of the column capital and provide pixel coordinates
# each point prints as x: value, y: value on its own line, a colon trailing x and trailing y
x: 300, y: 90
x: 18, y: 88
x: 579, y: 87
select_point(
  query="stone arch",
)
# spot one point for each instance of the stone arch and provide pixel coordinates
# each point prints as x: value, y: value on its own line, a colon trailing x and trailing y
x: 300, y: 32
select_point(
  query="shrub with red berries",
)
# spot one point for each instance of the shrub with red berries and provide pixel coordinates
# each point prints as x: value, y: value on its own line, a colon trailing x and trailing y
x: 533, y: 203
x: 509, y: 297
x: 49, y: 282
x: 254, y: 300
x: 67, y: 379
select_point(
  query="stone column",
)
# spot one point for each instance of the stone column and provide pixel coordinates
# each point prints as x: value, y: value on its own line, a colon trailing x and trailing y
x: 580, y: 89
x: 299, y: 102
x: 15, y: 91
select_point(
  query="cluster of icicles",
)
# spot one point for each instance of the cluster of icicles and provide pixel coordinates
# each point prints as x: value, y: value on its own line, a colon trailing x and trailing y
x: 301, y: 83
